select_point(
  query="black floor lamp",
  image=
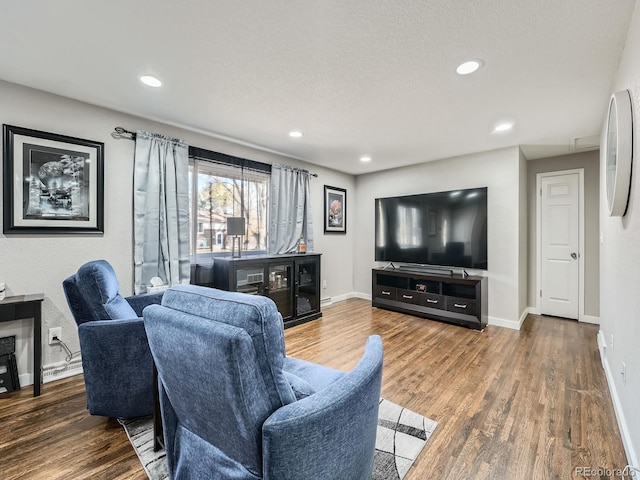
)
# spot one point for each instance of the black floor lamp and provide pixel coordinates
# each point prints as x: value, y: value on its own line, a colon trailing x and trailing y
x: 235, y: 227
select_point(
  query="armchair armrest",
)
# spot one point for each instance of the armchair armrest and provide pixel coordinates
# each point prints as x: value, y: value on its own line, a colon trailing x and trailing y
x: 116, y: 353
x: 332, y: 433
x: 138, y: 302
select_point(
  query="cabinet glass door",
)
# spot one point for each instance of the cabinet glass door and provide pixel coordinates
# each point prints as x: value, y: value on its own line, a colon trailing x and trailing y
x: 308, y: 292
x: 281, y: 288
x: 250, y: 279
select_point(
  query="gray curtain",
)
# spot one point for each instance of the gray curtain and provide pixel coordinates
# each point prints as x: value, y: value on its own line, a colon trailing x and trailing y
x: 161, y: 211
x: 290, y: 210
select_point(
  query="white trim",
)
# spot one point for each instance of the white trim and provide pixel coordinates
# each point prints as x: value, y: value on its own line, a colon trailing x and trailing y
x: 60, y: 370
x: 25, y: 379
x: 331, y: 300
x: 54, y: 371
x: 602, y: 346
x: 581, y: 249
x: 627, y: 442
x: 501, y: 322
x: 533, y: 311
x: 324, y: 302
x: 590, y: 319
x: 363, y: 296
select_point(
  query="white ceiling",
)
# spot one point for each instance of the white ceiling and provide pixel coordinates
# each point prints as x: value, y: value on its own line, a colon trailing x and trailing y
x: 358, y: 77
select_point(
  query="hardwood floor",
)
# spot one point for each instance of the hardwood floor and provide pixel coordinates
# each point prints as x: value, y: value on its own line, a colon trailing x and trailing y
x: 528, y: 404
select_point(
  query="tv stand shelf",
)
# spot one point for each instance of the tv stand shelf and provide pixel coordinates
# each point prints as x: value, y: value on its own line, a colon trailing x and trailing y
x: 448, y: 298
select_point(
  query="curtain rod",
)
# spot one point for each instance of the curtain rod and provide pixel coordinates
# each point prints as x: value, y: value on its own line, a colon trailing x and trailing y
x: 121, y: 132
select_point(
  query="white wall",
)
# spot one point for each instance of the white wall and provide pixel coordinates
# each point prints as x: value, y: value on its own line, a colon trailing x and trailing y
x: 500, y: 171
x: 620, y: 268
x: 523, y: 239
x: 30, y: 263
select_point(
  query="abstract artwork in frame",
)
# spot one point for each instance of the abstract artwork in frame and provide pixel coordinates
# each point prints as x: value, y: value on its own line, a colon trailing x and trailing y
x: 52, y: 183
x: 335, y: 210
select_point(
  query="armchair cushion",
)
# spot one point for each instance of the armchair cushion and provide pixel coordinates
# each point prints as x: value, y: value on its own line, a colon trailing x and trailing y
x: 301, y: 388
x: 139, y: 302
x: 312, y: 374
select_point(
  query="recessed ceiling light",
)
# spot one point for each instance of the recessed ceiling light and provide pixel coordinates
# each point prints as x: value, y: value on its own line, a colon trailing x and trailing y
x: 365, y: 158
x: 468, y: 67
x: 150, y: 81
x: 295, y: 134
x: 503, y: 127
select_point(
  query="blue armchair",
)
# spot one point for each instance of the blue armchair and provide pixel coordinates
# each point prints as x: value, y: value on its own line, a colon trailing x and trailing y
x: 117, y: 363
x: 235, y: 407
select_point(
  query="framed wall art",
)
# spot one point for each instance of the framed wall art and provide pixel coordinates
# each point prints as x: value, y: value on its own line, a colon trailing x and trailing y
x: 52, y: 183
x: 335, y: 210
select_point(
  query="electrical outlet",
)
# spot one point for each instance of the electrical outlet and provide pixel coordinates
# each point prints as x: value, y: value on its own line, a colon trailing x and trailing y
x: 55, y: 332
x: 324, y: 284
x: 624, y: 374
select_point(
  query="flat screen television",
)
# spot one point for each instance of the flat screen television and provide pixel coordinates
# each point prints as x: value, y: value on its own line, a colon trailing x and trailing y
x: 442, y: 229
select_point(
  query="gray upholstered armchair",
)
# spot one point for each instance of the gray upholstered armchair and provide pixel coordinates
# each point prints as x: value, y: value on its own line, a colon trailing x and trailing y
x: 117, y: 363
x: 233, y: 406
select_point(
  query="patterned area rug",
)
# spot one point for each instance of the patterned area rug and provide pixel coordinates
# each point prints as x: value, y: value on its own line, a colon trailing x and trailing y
x: 402, y: 434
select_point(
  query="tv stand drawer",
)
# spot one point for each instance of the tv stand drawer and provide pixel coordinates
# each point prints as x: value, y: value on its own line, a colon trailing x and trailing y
x: 461, y: 305
x: 432, y: 300
x: 388, y: 293
x: 409, y: 296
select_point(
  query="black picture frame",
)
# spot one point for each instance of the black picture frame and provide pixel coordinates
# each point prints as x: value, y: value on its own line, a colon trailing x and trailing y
x: 52, y: 183
x: 335, y: 210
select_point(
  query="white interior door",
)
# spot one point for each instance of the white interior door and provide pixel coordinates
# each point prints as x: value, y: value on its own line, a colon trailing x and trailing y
x: 560, y: 210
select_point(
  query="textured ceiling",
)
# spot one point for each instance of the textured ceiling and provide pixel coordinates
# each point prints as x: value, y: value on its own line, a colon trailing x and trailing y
x: 358, y: 77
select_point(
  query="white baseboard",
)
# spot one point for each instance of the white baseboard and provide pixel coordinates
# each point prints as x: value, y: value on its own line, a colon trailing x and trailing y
x: 54, y: 371
x: 632, y: 457
x: 25, y: 379
x: 501, y: 322
x: 590, y: 319
x: 364, y: 296
x: 602, y: 346
x: 331, y: 300
x: 60, y: 370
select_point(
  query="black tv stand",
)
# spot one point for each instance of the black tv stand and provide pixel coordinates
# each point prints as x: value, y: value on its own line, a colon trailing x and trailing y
x: 457, y: 299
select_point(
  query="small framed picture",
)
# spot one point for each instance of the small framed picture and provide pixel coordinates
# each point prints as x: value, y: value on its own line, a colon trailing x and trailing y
x: 52, y: 183
x: 335, y: 210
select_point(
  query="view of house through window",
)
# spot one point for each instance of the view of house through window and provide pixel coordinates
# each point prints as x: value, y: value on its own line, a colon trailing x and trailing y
x: 219, y: 191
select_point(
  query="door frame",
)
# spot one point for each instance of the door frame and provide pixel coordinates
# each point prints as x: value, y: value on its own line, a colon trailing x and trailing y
x: 581, y: 221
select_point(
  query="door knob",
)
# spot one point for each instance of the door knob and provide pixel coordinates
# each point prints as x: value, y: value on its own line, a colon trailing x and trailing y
x: 574, y: 255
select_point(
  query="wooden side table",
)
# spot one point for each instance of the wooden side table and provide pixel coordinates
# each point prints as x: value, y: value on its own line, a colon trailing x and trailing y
x: 25, y: 307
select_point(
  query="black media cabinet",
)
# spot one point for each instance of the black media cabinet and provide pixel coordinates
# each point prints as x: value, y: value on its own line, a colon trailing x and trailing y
x: 292, y: 281
x: 448, y: 298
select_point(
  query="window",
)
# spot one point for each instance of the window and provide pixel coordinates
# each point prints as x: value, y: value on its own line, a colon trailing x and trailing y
x: 221, y: 190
